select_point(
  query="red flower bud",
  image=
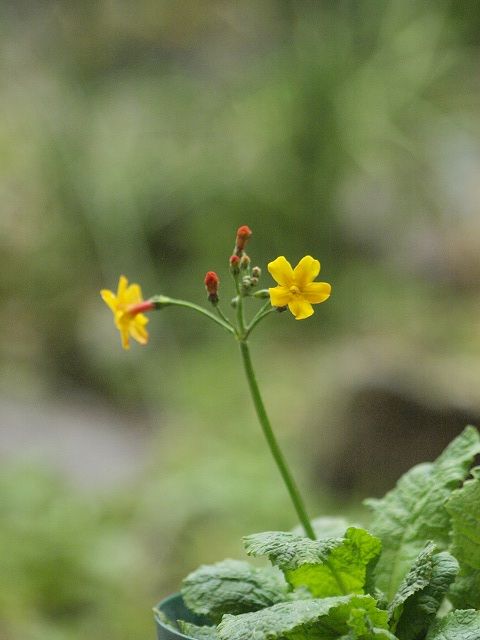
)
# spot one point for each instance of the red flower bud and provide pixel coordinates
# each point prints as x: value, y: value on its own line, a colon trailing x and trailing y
x: 243, y: 234
x: 234, y: 264
x: 211, y: 284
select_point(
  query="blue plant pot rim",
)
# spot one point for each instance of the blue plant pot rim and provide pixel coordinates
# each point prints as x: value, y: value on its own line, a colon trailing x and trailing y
x: 173, y: 608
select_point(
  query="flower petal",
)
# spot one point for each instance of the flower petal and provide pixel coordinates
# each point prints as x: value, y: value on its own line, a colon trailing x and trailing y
x: 109, y: 298
x: 316, y: 292
x: 138, y: 331
x: 122, y: 287
x: 124, y: 334
x: 306, y: 271
x: 300, y: 308
x: 141, y: 319
x: 281, y: 271
x: 133, y: 294
x: 279, y: 296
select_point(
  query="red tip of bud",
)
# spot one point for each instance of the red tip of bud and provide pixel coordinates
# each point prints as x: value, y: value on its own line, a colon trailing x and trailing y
x: 211, y: 282
x: 234, y: 264
x: 243, y: 234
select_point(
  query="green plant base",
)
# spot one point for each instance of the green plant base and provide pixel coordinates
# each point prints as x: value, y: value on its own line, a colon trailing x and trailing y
x: 173, y: 609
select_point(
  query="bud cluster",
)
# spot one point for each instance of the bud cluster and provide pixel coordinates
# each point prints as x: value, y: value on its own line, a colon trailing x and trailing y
x: 246, y: 276
x: 240, y: 262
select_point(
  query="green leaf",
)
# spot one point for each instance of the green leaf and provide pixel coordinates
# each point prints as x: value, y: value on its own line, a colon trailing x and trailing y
x: 196, y: 631
x: 330, y: 567
x: 233, y: 587
x: 360, y: 623
x: 353, y: 617
x: 414, y: 512
x: 326, y: 527
x: 457, y: 625
x: 421, y: 592
x: 464, y: 509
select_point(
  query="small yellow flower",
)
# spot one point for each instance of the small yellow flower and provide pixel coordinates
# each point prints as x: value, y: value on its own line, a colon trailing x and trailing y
x: 127, y: 306
x: 296, y: 287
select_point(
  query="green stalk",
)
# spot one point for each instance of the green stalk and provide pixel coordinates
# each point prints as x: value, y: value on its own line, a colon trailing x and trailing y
x: 272, y: 441
x: 165, y: 301
x: 266, y: 310
x: 241, y: 332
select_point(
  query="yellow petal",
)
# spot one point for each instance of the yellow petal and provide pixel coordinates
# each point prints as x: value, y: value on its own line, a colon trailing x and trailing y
x: 279, y: 296
x: 109, y: 298
x: 300, y: 308
x: 281, y: 271
x: 306, y: 271
x: 125, y: 337
x: 122, y: 287
x: 141, y: 319
x: 133, y: 294
x: 316, y: 292
x: 138, y: 332
x: 121, y: 320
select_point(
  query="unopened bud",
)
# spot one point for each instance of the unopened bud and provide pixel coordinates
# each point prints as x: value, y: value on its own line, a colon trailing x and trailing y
x: 211, y: 284
x: 253, y: 281
x: 256, y: 272
x: 243, y: 234
x: 234, y: 265
x: 244, y: 262
x: 262, y: 294
x: 246, y: 281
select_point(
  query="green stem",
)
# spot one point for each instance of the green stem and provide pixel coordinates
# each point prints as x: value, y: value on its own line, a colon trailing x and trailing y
x: 272, y: 442
x: 240, y: 310
x: 222, y: 315
x: 266, y: 310
x: 164, y: 301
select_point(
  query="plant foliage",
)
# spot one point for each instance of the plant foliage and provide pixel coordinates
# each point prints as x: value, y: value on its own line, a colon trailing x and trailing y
x: 398, y: 582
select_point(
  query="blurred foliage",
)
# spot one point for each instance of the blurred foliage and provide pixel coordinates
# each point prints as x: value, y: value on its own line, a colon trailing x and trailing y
x: 135, y: 138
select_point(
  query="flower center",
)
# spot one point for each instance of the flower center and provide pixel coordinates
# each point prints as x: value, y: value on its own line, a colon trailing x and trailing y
x: 294, y: 289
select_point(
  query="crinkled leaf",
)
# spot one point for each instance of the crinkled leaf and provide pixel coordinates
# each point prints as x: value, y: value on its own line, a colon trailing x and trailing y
x: 414, y: 512
x: 353, y: 617
x: 463, y: 624
x: 360, y: 623
x: 464, y: 509
x: 330, y: 567
x: 421, y: 592
x: 232, y: 586
x: 196, y: 631
x: 326, y: 527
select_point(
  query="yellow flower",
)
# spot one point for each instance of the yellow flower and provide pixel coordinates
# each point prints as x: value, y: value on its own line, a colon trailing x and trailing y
x: 296, y: 287
x: 127, y: 306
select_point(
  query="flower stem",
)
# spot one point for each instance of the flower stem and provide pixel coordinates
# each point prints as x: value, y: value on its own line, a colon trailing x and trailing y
x: 223, y: 316
x: 165, y: 301
x: 266, y: 310
x: 272, y: 441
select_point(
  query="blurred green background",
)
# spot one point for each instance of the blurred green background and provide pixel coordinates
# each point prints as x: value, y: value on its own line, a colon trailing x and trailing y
x: 135, y: 138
